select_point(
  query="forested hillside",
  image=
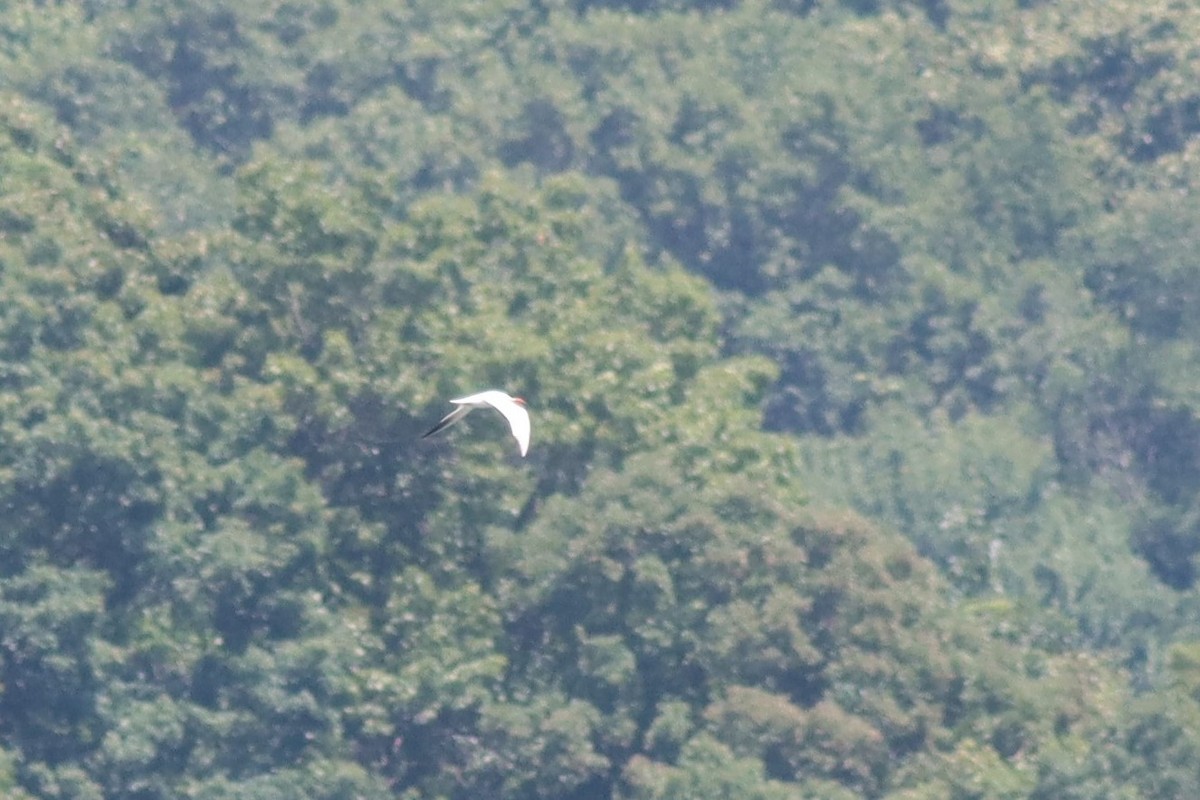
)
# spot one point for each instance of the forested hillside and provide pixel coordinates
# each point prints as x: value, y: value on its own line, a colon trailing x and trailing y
x: 860, y: 339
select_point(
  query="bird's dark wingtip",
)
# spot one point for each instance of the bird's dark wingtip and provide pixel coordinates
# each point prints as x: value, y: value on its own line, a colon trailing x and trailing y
x: 445, y: 423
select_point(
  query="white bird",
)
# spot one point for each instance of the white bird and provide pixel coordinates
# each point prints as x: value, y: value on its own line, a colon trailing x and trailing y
x: 513, y: 409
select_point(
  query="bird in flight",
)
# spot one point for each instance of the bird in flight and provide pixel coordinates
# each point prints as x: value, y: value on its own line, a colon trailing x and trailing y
x: 513, y: 409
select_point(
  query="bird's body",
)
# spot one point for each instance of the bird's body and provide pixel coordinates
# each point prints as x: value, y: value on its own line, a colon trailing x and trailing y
x: 513, y: 409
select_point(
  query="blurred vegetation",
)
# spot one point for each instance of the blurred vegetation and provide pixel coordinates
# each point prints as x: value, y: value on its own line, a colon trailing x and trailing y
x: 861, y: 345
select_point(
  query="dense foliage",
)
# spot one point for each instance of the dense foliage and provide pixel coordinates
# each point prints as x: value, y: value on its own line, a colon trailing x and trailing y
x: 861, y: 344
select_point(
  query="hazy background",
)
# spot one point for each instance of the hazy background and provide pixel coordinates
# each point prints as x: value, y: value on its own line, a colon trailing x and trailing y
x: 860, y: 341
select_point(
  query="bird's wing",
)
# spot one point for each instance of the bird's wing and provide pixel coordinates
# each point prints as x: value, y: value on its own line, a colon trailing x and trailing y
x: 448, y: 420
x: 479, y: 399
x: 517, y: 416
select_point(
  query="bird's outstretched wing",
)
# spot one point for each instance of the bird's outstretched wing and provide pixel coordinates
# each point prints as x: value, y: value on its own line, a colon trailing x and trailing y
x: 448, y: 420
x: 517, y: 416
